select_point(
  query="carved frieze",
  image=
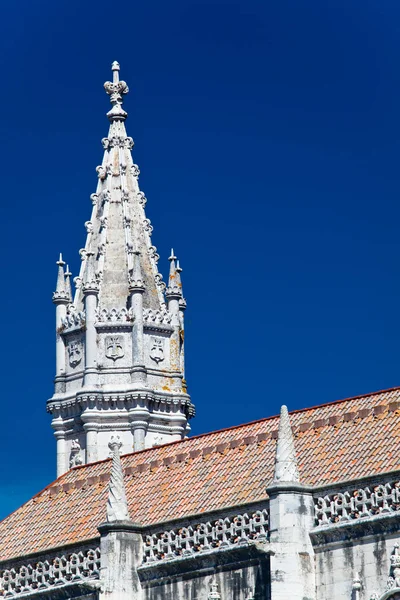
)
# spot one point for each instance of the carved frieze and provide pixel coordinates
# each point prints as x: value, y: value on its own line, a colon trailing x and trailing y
x: 224, y: 533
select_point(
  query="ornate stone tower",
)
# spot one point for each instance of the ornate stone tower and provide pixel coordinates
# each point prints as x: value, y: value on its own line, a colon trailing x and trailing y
x: 119, y: 345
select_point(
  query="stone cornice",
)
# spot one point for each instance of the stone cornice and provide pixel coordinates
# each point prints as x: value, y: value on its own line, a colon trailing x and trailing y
x: 388, y: 523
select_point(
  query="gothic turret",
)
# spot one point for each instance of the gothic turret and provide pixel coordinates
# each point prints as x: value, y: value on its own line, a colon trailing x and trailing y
x: 120, y: 340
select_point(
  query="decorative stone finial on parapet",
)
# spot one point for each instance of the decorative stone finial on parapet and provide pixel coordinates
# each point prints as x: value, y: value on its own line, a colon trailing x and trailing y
x: 60, y: 296
x: 356, y: 587
x: 285, y: 459
x: 214, y: 593
x: 182, y: 301
x: 68, y: 289
x: 174, y: 289
x: 116, y: 90
x: 117, y: 506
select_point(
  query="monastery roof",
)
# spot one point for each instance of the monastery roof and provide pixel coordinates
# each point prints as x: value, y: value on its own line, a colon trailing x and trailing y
x: 347, y: 439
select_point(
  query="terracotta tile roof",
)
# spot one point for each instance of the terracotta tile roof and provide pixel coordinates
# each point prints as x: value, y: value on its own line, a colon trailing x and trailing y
x: 343, y: 440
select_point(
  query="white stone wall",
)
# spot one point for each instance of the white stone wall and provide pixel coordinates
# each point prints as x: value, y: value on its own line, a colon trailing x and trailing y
x: 338, y: 564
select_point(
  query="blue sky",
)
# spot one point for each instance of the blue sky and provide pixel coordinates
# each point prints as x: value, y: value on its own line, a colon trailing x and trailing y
x: 268, y: 137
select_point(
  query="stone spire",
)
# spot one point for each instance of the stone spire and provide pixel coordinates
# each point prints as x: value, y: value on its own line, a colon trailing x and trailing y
x: 61, y: 294
x: 68, y: 289
x: 121, y: 338
x: 285, y: 459
x: 117, y: 506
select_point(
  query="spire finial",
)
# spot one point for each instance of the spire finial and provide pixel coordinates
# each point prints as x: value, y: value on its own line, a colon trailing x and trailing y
x: 68, y: 289
x: 174, y: 282
x: 117, y: 506
x: 60, y: 295
x: 116, y: 90
x: 285, y: 460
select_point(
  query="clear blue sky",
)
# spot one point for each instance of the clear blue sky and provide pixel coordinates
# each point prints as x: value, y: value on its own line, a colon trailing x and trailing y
x: 268, y: 137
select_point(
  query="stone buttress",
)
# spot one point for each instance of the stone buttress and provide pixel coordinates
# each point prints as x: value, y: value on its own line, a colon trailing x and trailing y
x: 119, y: 345
x: 291, y: 520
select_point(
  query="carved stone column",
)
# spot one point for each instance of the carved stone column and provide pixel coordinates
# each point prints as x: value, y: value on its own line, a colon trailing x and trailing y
x: 61, y: 450
x: 91, y: 441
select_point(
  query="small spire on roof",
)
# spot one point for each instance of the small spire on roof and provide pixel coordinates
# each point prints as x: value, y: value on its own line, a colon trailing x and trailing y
x: 116, y: 90
x: 174, y: 288
x: 285, y: 459
x: 68, y: 289
x: 60, y: 295
x: 117, y: 506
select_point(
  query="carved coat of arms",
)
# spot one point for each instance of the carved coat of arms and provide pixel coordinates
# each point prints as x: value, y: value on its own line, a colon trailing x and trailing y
x: 157, y: 350
x: 114, y: 347
x: 74, y: 353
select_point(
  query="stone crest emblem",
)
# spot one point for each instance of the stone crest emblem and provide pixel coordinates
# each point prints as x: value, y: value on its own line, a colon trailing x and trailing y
x: 74, y: 353
x: 114, y: 347
x: 157, y: 350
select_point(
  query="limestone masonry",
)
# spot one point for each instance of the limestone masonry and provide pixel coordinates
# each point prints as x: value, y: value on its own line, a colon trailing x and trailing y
x: 304, y: 506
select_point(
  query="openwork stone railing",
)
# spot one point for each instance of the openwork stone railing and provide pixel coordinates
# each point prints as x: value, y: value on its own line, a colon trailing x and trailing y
x: 43, y: 575
x: 357, y: 504
x: 224, y: 533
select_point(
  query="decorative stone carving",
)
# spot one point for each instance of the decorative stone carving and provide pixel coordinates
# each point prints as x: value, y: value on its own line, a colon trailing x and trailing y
x: 89, y: 226
x: 73, y: 318
x: 106, y: 196
x: 192, y: 540
x: 214, y: 593
x: 394, y: 577
x: 116, y: 90
x: 285, y: 459
x: 157, y: 350
x: 147, y: 226
x: 101, y: 172
x: 75, y: 353
x: 64, y: 569
x: 393, y: 581
x: 159, y: 281
x: 94, y: 198
x: 114, y: 315
x: 135, y: 170
x: 153, y: 254
x: 141, y: 198
x: 82, y: 253
x: 117, y: 506
x: 75, y: 458
x: 356, y: 587
x: 157, y: 316
x: 357, y: 504
x: 114, y: 346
